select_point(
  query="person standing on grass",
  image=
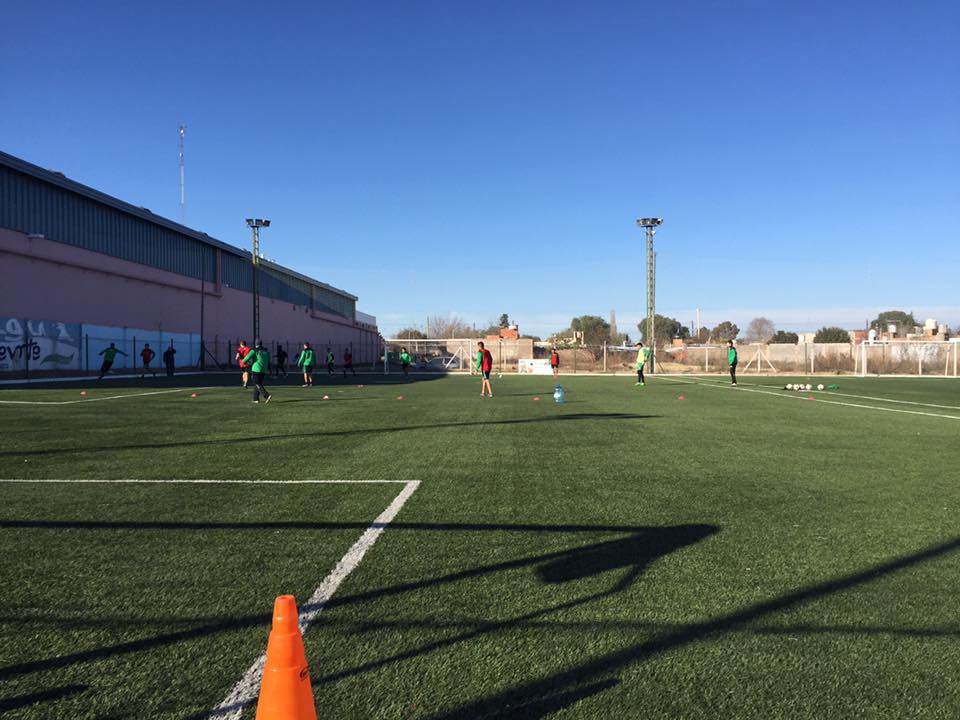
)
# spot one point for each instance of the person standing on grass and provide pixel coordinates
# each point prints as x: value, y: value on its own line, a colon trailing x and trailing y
x: 108, y: 357
x: 306, y: 361
x: 168, y: 359
x: 732, y: 361
x: 405, y: 360
x: 258, y: 361
x: 555, y: 363
x: 242, y: 351
x: 643, y: 356
x: 348, y: 363
x: 281, y: 366
x: 485, y: 366
x: 331, y: 361
x: 147, y: 355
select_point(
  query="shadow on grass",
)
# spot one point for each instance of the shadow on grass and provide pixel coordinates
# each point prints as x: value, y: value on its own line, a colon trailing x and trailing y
x: 24, y: 701
x: 588, y: 672
x: 571, y: 417
x: 628, y: 556
x: 659, y: 541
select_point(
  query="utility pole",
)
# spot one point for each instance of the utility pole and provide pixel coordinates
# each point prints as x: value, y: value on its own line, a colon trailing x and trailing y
x: 183, y: 187
x: 650, y: 225
x: 255, y: 224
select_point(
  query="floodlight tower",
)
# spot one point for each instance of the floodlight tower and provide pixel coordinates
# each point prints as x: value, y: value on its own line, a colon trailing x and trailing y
x: 650, y: 225
x: 255, y: 224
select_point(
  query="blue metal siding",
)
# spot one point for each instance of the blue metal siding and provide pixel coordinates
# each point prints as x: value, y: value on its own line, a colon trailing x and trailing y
x: 32, y: 205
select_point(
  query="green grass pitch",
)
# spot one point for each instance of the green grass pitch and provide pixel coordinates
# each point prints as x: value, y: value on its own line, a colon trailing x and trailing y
x: 739, y: 553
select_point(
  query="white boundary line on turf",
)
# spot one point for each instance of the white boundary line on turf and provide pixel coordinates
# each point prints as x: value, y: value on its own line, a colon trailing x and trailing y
x: 246, y: 690
x: 741, y: 388
x: 98, y: 399
x: 204, y: 481
x: 834, y: 393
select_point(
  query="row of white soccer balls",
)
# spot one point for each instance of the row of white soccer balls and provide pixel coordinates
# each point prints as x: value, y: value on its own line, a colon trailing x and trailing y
x: 798, y: 386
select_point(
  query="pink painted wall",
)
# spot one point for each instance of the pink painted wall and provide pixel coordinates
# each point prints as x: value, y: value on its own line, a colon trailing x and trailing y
x: 46, y: 280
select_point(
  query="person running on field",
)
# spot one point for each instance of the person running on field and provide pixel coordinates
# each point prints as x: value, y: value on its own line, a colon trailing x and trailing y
x: 168, y: 360
x: 306, y: 361
x: 331, y: 361
x: 485, y: 366
x: 555, y: 363
x: 242, y: 351
x: 643, y: 357
x: 348, y: 363
x: 281, y: 366
x: 108, y: 356
x: 258, y: 360
x: 147, y: 355
x: 732, y: 361
x: 405, y: 360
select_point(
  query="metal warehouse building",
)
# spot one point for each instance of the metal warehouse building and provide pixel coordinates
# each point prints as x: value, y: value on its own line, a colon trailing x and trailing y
x: 80, y: 269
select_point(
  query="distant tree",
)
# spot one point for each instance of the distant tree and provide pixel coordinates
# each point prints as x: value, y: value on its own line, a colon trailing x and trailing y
x: 504, y: 321
x: 784, y: 338
x: 411, y: 333
x: 452, y: 326
x: 904, y: 321
x: 665, y: 329
x: 595, y: 329
x: 702, y: 336
x: 725, y: 331
x: 831, y: 335
x: 535, y: 338
x: 760, y: 329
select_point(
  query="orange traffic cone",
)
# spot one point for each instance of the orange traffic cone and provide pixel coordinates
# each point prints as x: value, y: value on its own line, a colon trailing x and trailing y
x: 285, y: 692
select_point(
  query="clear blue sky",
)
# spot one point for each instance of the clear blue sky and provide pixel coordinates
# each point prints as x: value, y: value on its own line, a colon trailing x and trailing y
x: 479, y: 158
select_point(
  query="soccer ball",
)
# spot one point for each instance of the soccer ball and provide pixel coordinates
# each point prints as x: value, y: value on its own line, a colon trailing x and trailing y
x: 788, y: 386
x: 809, y: 386
x: 820, y: 387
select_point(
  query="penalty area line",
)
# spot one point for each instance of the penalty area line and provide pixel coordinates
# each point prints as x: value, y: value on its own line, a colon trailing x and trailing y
x: 200, y: 481
x: 246, y: 690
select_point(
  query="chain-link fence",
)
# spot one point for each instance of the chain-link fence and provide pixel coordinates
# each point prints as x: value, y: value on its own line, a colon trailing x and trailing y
x: 525, y: 356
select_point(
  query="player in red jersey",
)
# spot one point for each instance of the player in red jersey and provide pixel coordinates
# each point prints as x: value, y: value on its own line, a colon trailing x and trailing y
x: 485, y: 366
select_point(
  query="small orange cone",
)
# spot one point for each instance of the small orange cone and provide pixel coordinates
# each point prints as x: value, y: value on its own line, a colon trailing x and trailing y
x: 285, y: 692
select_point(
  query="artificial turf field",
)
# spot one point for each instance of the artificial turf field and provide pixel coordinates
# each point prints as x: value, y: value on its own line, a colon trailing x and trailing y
x: 740, y: 553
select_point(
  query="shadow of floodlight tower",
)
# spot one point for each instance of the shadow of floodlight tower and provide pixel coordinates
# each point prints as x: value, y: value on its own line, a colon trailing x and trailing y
x: 255, y: 224
x: 651, y: 225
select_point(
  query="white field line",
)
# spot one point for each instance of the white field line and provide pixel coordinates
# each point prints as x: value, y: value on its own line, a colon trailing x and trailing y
x: 109, y: 397
x: 80, y: 378
x: 834, y: 393
x: 246, y: 690
x: 204, y: 481
x: 741, y: 388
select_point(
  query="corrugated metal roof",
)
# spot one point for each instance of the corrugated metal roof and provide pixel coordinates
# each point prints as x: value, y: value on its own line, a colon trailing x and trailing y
x: 59, y: 179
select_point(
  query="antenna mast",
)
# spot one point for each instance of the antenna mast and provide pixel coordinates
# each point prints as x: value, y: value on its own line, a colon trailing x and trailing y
x: 183, y: 188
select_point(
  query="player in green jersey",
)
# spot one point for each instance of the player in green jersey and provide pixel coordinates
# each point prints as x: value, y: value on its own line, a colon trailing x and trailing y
x: 732, y: 362
x: 306, y: 361
x: 108, y: 357
x: 643, y: 356
x: 258, y: 360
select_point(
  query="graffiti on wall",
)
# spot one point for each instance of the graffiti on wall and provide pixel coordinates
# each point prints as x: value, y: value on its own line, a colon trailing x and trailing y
x: 39, y: 345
